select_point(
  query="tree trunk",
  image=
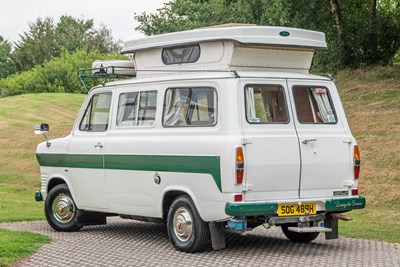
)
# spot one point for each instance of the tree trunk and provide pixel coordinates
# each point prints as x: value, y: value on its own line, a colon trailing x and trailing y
x: 372, y: 47
x: 345, y: 53
x: 337, y: 17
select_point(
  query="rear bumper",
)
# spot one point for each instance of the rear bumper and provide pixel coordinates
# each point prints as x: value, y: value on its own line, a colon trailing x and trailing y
x: 238, y: 209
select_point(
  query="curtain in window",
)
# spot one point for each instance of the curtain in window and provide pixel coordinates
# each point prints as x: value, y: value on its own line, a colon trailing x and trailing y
x: 325, y: 111
x: 250, y: 105
x: 173, y: 109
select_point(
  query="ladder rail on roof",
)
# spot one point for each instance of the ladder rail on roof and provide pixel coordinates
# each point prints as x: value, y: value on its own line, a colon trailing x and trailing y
x: 104, y: 73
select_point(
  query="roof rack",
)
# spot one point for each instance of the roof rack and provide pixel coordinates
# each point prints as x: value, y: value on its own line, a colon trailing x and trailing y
x: 105, y: 72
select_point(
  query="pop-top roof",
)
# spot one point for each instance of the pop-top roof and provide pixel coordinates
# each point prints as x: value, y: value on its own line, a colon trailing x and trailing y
x: 245, y: 35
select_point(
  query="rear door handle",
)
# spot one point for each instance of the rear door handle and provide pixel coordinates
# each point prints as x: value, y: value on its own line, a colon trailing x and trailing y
x: 306, y: 141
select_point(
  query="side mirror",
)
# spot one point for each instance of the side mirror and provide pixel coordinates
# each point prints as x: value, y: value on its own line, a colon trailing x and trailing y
x: 43, y: 129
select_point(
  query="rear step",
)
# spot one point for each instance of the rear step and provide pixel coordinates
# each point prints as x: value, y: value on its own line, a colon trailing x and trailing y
x: 310, y: 229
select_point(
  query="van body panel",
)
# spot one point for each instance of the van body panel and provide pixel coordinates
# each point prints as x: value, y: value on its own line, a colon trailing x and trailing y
x: 325, y: 151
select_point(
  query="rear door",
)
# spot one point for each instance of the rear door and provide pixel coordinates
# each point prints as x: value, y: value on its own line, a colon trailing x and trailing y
x: 272, y: 159
x: 324, y: 144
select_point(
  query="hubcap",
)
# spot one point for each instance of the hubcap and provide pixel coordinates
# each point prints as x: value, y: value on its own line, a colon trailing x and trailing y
x: 182, y: 223
x: 63, y: 209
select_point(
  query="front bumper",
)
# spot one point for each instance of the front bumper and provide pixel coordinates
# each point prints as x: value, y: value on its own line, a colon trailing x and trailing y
x: 38, y: 196
x: 239, y: 209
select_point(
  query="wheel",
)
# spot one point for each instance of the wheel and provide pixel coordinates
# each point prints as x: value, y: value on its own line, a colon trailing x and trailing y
x: 298, y: 237
x: 186, y: 230
x: 60, y: 209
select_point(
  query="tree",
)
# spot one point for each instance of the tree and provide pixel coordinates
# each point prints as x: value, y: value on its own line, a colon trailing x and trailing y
x: 37, y: 45
x: 71, y: 33
x: 101, y: 40
x: 358, y: 32
x: 7, y: 65
x: 46, y: 40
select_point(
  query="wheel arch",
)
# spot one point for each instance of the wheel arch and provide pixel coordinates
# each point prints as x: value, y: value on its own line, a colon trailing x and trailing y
x: 57, y: 180
x: 168, y: 198
x: 54, y: 181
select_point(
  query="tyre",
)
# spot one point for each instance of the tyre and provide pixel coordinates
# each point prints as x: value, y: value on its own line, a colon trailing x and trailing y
x: 186, y: 230
x: 298, y: 237
x: 60, y: 209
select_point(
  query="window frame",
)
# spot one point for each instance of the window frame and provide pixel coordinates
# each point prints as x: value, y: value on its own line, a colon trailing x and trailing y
x: 285, y: 99
x: 137, y: 110
x: 90, y: 104
x: 330, y: 102
x: 191, y: 126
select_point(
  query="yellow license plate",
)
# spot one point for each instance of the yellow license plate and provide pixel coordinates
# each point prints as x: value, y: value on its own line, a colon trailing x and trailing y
x: 295, y: 209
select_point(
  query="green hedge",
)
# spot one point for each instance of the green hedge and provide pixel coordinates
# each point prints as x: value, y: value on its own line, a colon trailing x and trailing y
x: 56, y: 75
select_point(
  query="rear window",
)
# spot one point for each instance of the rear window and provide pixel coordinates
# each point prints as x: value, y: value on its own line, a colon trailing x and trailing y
x: 190, y: 107
x: 314, y: 105
x: 265, y: 104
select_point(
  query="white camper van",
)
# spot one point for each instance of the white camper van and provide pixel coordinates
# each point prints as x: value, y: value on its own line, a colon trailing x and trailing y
x: 214, y: 129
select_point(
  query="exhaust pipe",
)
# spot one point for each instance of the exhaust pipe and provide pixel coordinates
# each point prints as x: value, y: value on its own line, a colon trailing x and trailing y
x: 341, y: 216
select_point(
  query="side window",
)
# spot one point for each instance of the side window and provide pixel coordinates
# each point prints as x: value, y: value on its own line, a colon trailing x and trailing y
x: 190, y: 107
x: 96, y: 114
x: 313, y: 105
x: 137, y: 108
x: 265, y: 104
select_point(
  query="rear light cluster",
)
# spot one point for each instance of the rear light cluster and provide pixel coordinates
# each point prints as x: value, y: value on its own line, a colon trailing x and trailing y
x: 357, y: 162
x: 239, y: 165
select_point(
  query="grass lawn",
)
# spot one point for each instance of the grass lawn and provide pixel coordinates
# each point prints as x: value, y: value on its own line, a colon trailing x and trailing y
x: 19, y: 171
x: 371, y: 99
x: 17, y: 245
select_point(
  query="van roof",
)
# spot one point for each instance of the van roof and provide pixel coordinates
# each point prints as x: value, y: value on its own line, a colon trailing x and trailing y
x: 245, y: 35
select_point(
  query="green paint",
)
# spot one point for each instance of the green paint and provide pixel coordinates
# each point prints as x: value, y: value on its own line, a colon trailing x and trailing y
x: 186, y: 164
x: 251, y: 209
x: 74, y: 161
x: 86, y: 161
x: 52, y: 160
x: 345, y: 204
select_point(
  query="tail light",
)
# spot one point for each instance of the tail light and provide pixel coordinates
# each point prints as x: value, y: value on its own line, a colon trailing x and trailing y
x: 239, y: 165
x: 357, y: 162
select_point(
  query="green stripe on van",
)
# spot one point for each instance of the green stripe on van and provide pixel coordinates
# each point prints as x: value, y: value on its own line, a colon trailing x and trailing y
x: 163, y: 163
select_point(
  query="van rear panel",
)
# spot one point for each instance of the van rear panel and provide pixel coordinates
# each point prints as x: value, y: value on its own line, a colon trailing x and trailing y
x: 298, y: 148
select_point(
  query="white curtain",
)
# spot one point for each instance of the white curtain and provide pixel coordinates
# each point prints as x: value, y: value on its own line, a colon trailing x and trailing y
x: 250, y: 105
x: 173, y: 108
x: 325, y: 111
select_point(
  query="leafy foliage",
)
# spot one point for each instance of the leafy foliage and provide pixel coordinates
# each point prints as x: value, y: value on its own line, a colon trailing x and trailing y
x: 7, y: 65
x: 46, y: 40
x: 56, y: 75
x: 359, y: 32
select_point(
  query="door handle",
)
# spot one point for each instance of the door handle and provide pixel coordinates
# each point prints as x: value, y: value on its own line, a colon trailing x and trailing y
x: 306, y: 141
x: 98, y: 145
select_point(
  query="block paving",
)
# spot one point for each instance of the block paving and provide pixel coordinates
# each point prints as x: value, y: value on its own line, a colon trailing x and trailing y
x: 131, y: 243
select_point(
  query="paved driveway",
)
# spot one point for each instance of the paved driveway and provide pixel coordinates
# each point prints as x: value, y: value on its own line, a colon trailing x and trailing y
x: 131, y: 243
